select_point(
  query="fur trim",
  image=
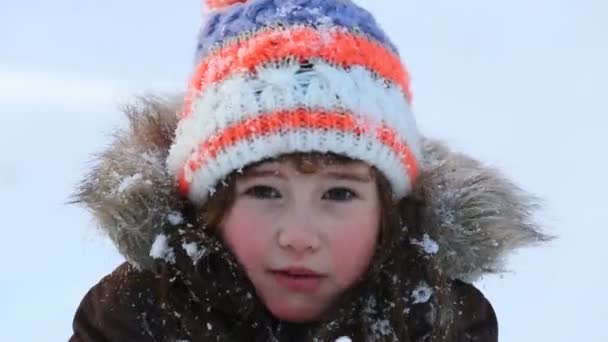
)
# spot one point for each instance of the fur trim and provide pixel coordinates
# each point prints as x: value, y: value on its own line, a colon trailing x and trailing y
x: 129, y: 191
x: 475, y: 214
x: 474, y: 219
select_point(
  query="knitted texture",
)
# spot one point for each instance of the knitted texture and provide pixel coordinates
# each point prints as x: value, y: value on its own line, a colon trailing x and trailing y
x: 256, y: 15
x: 282, y: 76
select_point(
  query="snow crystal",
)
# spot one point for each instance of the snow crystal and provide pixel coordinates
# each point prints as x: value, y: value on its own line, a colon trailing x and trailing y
x: 128, y: 182
x: 175, y: 218
x: 286, y: 9
x: 193, y: 251
x: 429, y: 246
x: 209, y: 326
x: 370, y: 306
x: 382, y: 328
x: 160, y: 249
x: 344, y: 339
x: 315, y: 14
x: 422, y: 293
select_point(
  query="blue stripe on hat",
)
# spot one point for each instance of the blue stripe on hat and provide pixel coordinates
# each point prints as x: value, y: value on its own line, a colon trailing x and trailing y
x: 257, y: 14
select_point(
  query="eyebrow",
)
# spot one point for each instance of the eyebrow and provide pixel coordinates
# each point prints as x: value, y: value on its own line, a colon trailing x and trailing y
x: 261, y: 173
x: 349, y: 176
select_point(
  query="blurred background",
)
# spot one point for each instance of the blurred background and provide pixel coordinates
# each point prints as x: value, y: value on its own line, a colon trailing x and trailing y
x: 519, y: 84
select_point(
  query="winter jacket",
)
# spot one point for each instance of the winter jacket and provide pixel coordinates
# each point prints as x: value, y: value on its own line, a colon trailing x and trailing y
x: 195, y: 291
x: 125, y: 306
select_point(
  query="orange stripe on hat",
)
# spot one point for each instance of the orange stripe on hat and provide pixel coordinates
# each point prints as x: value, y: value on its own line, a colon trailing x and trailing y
x: 292, y: 120
x: 336, y: 46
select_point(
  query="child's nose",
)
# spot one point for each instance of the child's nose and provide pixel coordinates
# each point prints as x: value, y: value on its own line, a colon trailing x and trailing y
x: 299, y: 239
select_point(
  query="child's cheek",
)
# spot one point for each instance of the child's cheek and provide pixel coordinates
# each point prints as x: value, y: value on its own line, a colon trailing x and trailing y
x: 352, y: 249
x: 244, y: 234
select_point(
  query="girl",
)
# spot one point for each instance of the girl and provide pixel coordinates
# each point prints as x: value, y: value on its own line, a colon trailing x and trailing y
x: 292, y: 198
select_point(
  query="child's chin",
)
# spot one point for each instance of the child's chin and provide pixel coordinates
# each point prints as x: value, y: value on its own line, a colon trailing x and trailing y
x: 293, y: 312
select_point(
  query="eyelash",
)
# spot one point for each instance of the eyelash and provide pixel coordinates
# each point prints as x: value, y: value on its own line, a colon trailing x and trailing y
x: 255, y: 191
x: 267, y: 192
x: 351, y: 194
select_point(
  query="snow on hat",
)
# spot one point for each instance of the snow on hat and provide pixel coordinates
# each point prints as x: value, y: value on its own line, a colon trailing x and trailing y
x: 281, y: 76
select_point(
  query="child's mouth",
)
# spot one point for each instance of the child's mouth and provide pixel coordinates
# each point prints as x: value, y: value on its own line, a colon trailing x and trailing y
x: 298, y: 279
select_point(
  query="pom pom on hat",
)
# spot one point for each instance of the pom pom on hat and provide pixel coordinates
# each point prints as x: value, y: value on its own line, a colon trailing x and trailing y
x: 219, y: 4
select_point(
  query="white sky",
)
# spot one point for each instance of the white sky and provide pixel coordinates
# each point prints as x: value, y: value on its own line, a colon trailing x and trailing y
x: 519, y: 84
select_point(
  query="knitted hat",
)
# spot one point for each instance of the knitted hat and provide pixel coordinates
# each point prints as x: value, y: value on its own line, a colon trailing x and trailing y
x: 281, y: 76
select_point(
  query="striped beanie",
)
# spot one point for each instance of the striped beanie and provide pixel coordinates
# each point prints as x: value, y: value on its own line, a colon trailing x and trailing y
x: 275, y: 77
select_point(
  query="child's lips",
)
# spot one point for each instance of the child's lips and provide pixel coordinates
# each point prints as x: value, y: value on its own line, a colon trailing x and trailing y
x: 298, y: 279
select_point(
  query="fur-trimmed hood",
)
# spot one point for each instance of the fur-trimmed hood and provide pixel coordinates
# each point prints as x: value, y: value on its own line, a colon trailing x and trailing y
x: 474, y: 218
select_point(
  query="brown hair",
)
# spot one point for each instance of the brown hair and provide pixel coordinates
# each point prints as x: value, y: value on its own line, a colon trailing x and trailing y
x: 396, y: 260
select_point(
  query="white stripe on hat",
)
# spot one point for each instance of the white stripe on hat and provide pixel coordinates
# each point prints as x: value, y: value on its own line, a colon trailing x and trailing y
x: 286, y: 86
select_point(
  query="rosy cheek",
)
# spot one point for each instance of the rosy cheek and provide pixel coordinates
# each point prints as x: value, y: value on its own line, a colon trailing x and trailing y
x: 243, y: 233
x: 352, y: 252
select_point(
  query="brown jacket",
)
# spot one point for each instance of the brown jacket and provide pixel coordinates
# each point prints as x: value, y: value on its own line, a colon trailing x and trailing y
x: 472, y: 218
x: 126, y: 306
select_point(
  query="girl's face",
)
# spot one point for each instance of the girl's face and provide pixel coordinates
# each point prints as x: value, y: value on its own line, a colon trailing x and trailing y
x: 303, y: 238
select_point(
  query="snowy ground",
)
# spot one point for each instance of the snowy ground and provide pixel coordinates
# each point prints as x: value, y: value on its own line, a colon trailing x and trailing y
x: 519, y: 84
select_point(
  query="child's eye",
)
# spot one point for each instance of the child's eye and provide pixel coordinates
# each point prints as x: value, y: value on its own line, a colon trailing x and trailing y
x: 339, y: 194
x: 263, y: 192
